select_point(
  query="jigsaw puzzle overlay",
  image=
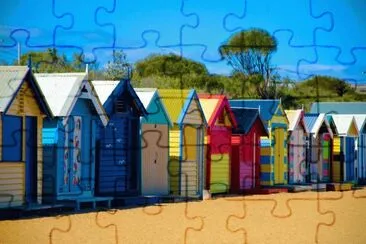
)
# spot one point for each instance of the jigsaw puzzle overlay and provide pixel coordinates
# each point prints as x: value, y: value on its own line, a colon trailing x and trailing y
x: 85, y: 151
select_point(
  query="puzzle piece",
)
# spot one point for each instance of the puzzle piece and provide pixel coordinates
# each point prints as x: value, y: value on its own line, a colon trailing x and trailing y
x: 82, y: 228
x: 347, y: 18
x: 151, y: 20
x: 289, y: 213
x: 85, y: 33
x: 39, y: 27
x: 160, y: 223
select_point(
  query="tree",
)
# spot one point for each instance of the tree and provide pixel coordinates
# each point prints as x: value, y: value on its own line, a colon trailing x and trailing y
x: 191, y: 74
x: 119, y: 68
x: 249, y: 53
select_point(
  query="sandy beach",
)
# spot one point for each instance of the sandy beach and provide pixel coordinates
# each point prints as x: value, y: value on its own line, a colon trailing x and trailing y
x: 308, y: 217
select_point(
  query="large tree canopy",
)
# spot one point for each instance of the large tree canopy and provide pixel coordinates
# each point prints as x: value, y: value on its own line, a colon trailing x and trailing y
x: 170, y: 65
x: 249, y: 53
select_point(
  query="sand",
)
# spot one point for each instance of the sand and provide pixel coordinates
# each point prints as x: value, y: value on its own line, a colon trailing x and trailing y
x: 309, y: 217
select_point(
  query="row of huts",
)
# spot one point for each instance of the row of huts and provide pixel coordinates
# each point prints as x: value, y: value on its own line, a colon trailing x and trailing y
x: 67, y: 139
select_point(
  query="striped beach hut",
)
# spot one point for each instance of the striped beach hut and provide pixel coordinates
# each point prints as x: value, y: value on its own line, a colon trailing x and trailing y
x: 274, y: 164
x: 186, y: 142
x: 319, y: 148
x: 296, y: 146
x: 119, y: 143
x: 69, y: 138
x: 220, y: 121
x: 361, y: 146
x: 155, y: 143
x: 344, y: 151
x: 245, y: 166
x: 22, y: 109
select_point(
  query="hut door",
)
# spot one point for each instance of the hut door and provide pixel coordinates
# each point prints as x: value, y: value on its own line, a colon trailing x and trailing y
x: 31, y: 159
x: 279, y: 157
x: 350, y: 158
x: 154, y: 159
x: 72, y: 155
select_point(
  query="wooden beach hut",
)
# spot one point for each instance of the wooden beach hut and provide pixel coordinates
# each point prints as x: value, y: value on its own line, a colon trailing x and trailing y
x: 361, y: 146
x: 154, y: 143
x: 69, y: 138
x: 297, y: 133
x: 22, y: 109
x: 186, y: 142
x: 319, y: 148
x: 119, y: 143
x: 274, y: 164
x: 221, y: 121
x: 245, y: 166
x: 344, y: 151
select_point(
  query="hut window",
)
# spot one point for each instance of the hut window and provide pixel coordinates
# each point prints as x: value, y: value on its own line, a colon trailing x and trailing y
x: 120, y: 106
x: 12, y: 138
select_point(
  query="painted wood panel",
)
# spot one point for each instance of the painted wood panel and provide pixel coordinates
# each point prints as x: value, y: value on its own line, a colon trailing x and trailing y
x: 297, y: 162
x: 279, y: 161
x: 155, y: 159
x: 220, y: 173
x: 12, y: 182
x: 336, y: 166
x: 174, y: 142
x: 189, y: 178
x: 25, y: 102
x: 193, y: 114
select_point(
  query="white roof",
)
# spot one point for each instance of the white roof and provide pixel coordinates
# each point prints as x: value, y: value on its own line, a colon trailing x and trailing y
x: 360, y: 121
x: 145, y: 95
x: 11, y: 77
x: 343, y: 123
x: 293, y: 117
x: 61, y: 91
x: 318, y: 123
x: 104, y: 88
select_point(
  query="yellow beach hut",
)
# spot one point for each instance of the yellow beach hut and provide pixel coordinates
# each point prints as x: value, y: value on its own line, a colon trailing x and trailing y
x: 186, y: 142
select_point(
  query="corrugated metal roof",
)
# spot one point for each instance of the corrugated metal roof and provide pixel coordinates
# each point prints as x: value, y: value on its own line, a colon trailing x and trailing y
x: 174, y: 101
x: 294, y: 117
x: 11, y: 77
x: 104, y: 88
x: 145, y: 95
x: 339, y: 107
x: 343, y: 123
x: 267, y: 107
x: 60, y: 90
x: 360, y: 121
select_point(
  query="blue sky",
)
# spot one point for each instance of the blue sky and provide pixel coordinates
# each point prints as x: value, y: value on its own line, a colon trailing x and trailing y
x: 315, y: 36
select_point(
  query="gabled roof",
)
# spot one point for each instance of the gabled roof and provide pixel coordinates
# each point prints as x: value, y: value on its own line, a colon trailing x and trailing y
x: 62, y: 90
x: 177, y: 103
x: 108, y: 90
x: 360, y: 121
x: 11, y: 80
x: 213, y: 106
x: 314, y: 122
x: 345, y: 123
x: 339, y: 107
x: 149, y: 95
x: 267, y: 108
x: 246, y: 118
x: 296, y: 117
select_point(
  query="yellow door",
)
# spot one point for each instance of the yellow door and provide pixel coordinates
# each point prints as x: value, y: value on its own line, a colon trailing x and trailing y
x: 279, y: 156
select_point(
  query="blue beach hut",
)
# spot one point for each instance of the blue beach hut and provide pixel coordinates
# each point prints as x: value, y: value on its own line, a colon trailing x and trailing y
x: 119, y: 143
x: 69, y: 138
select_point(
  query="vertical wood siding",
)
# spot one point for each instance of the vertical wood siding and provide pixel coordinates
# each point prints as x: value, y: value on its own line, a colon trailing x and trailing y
x: 193, y: 115
x: 155, y: 159
x: 336, y: 167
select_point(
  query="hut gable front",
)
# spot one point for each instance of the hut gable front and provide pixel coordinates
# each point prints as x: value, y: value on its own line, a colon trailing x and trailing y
x: 193, y: 114
x: 345, y: 125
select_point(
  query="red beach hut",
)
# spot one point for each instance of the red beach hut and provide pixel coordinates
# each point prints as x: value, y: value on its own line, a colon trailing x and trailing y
x: 220, y: 119
x: 246, y: 148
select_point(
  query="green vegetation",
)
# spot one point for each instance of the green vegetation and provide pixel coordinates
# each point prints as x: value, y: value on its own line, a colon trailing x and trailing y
x: 248, y: 53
